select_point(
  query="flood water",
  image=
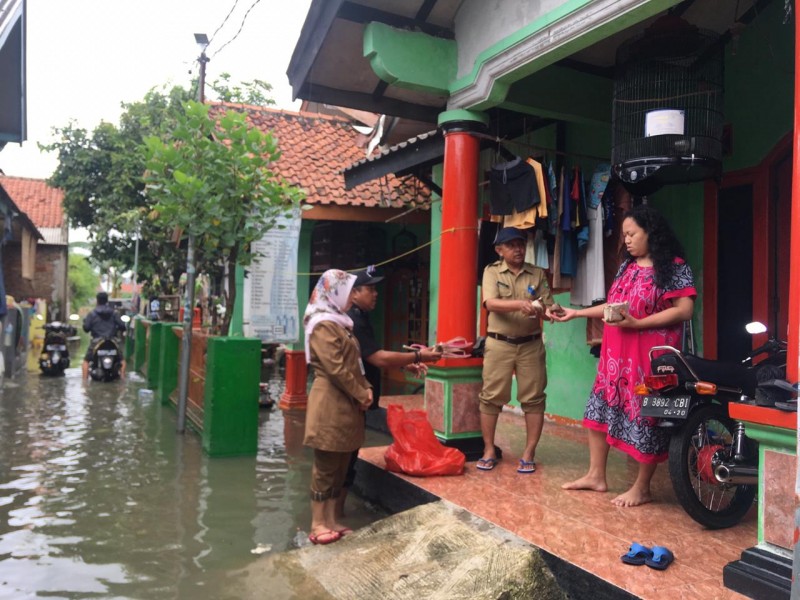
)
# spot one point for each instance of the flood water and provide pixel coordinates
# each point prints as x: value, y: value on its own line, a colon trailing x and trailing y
x: 101, y: 498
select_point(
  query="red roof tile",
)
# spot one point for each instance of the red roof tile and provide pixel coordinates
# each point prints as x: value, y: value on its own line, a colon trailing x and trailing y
x: 36, y: 199
x: 316, y: 148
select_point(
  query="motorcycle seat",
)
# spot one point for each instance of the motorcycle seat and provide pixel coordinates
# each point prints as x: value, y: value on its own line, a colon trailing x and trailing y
x: 731, y: 375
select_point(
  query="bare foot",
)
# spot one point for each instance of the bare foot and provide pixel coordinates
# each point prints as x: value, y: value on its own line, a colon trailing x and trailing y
x: 587, y: 483
x: 632, y: 497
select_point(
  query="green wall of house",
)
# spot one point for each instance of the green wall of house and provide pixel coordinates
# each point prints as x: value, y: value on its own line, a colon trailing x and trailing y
x: 758, y: 107
x: 759, y: 78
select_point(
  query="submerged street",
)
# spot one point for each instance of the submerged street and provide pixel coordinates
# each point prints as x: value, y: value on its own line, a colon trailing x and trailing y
x: 101, y: 498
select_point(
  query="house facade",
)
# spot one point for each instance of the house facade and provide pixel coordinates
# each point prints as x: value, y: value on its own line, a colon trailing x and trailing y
x: 553, y: 80
x: 46, y: 276
x: 351, y: 228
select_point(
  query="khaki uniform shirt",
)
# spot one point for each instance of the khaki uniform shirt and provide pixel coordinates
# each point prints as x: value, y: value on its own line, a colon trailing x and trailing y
x: 334, y: 420
x: 500, y: 283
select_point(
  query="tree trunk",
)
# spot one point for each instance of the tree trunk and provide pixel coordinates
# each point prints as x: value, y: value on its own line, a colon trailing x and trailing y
x: 230, y: 297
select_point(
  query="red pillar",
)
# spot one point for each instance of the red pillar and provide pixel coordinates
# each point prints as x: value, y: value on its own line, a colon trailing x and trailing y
x: 294, y: 396
x: 458, y: 277
x: 794, y: 244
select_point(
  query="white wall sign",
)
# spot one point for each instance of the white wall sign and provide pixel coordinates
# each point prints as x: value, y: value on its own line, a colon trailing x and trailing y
x: 270, y: 287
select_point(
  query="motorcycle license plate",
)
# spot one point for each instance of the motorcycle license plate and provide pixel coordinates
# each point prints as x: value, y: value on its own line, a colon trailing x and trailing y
x: 666, y: 407
x: 106, y: 353
x: 54, y: 347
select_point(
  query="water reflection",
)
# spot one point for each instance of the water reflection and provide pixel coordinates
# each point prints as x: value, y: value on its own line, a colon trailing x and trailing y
x: 99, y: 497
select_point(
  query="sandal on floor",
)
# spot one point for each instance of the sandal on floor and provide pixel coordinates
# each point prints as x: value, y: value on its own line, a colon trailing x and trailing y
x: 526, y: 466
x: 325, y: 537
x: 344, y: 531
x: 637, y: 555
x: 661, y: 559
x: 486, y: 464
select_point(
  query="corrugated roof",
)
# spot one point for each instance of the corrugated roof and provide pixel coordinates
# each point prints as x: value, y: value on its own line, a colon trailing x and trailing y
x: 36, y: 199
x: 55, y: 235
x: 315, y: 150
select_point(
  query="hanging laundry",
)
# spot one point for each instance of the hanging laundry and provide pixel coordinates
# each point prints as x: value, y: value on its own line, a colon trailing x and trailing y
x: 542, y: 257
x: 541, y: 208
x: 598, y: 184
x: 569, y: 242
x: 589, y: 286
x: 512, y: 187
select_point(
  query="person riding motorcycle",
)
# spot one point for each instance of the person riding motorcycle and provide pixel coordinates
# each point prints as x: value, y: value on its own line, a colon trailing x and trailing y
x: 103, y: 322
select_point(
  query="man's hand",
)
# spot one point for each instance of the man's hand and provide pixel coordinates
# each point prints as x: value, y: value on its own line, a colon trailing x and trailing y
x: 430, y: 354
x: 417, y: 370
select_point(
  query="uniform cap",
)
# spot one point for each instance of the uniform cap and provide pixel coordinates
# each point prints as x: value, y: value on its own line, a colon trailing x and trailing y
x: 507, y: 234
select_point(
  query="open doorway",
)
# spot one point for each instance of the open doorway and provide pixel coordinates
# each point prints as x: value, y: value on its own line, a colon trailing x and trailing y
x: 734, y: 271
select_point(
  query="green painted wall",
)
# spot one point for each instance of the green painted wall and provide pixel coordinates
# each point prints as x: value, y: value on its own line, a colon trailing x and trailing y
x: 436, y: 250
x: 303, y: 277
x: 168, y: 369
x: 683, y: 206
x: 759, y: 76
x: 230, y: 404
x: 393, y: 55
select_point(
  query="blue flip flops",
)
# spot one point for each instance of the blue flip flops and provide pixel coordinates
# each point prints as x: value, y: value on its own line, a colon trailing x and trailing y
x: 486, y: 464
x: 661, y: 559
x: 637, y: 555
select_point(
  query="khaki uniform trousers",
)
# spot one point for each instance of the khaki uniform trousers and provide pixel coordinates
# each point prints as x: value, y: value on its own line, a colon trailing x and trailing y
x: 500, y: 360
x: 328, y: 473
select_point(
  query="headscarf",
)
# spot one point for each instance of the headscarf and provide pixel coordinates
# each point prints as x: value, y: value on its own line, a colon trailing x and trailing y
x: 327, y: 303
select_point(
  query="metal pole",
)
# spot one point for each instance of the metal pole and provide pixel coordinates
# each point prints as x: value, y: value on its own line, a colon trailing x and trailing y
x: 201, y: 92
x: 188, y: 307
x: 186, y: 346
x: 135, y: 259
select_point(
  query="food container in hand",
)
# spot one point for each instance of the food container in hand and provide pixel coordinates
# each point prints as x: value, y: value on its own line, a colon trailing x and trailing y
x: 613, y: 311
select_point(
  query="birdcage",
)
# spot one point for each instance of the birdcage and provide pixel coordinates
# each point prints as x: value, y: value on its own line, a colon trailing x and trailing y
x: 667, y: 115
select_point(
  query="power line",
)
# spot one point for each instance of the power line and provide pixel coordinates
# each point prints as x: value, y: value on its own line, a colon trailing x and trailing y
x: 225, y: 20
x: 252, y: 6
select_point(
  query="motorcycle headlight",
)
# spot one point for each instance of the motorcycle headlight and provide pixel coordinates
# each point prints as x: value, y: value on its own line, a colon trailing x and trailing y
x: 56, y: 357
x: 108, y: 362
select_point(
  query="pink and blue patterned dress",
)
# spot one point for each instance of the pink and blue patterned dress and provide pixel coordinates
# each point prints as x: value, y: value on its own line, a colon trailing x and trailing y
x: 613, y: 406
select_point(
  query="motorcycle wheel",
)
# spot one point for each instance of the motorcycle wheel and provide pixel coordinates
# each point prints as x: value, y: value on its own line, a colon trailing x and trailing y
x: 711, y: 503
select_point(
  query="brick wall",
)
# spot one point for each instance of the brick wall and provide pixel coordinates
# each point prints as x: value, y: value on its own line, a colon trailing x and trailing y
x: 49, y: 281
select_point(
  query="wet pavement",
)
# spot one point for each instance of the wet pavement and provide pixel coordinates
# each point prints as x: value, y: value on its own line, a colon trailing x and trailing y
x: 101, y: 498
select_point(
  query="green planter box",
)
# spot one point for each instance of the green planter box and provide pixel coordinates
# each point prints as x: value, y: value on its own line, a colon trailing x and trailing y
x: 167, y: 381
x: 230, y: 403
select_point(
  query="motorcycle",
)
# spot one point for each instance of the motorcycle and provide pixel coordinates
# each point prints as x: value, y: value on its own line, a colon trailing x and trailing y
x: 713, y: 465
x: 54, y: 359
x: 106, y: 360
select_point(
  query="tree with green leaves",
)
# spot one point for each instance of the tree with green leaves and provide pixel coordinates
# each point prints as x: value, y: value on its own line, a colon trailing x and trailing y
x: 82, y: 280
x: 255, y: 93
x: 101, y: 174
x: 212, y: 180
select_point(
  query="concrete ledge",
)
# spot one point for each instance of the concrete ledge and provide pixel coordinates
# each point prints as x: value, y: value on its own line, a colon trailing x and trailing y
x: 396, y: 494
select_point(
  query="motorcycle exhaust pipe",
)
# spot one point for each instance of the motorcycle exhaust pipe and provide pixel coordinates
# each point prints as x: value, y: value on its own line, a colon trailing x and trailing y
x: 737, y: 474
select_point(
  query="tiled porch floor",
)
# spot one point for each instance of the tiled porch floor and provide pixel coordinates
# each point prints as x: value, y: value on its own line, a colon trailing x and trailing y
x: 583, y: 527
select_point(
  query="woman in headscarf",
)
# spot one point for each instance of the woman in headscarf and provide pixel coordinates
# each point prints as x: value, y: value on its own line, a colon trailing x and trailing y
x: 339, y: 395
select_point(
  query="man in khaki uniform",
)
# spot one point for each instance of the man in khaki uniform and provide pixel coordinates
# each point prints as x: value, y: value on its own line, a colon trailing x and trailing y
x: 517, y: 295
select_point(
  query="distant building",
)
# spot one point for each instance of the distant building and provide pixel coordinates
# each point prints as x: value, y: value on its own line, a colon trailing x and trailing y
x: 48, y: 279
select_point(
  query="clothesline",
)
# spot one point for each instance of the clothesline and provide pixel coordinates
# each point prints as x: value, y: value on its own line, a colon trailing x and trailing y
x: 506, y: 142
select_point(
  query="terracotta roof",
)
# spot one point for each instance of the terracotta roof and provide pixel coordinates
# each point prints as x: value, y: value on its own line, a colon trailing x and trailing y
x: 36, y: 199
x: 316, y: 148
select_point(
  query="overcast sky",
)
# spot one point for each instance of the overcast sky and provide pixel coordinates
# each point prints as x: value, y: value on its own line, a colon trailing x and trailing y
x: 85, y: 57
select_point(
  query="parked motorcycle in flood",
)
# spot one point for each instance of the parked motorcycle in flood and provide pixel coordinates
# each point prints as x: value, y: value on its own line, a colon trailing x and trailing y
x: 54, y: 358
x: 713, y: 465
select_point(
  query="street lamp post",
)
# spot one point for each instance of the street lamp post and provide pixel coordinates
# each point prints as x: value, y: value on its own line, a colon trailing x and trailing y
x: 188, y: 307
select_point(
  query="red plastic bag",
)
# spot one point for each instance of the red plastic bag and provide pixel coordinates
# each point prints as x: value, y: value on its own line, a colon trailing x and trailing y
x: 415, y: 450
